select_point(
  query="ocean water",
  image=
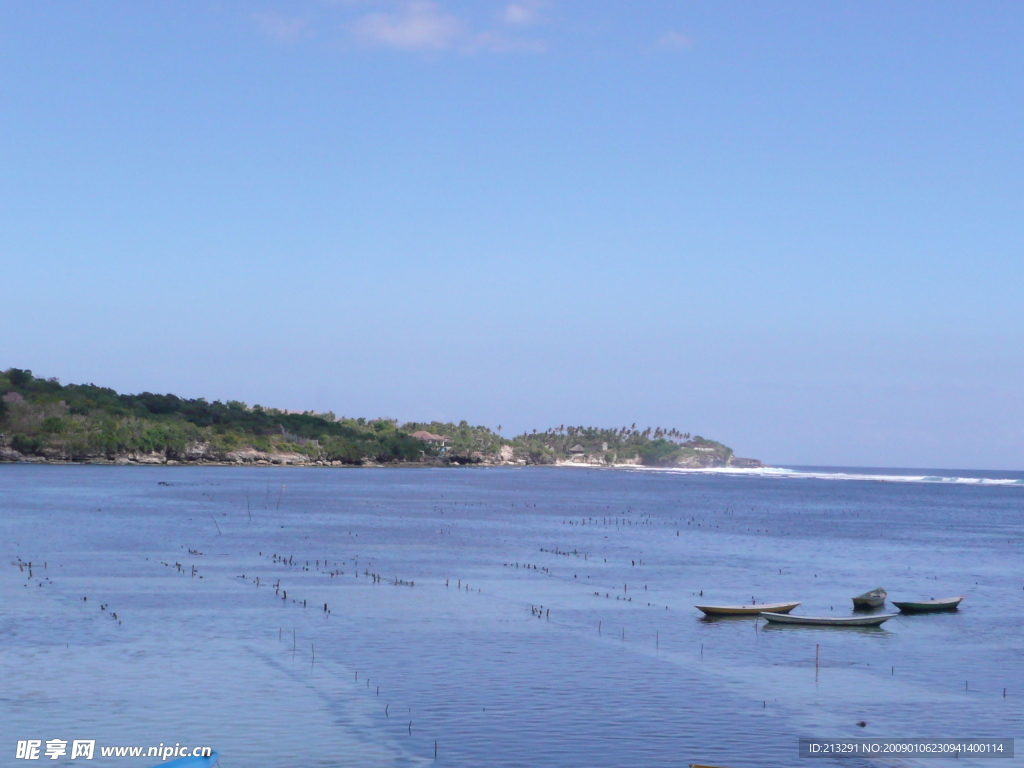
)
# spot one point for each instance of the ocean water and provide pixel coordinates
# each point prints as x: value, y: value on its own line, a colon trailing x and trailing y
x: 536, y: 617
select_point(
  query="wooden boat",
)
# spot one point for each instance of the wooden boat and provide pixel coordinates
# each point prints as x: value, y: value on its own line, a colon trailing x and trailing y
x: 929, y: 606
x: 829, y: 621
x: 873, y: 599
x: 191, y: 762
x: 745, y: 610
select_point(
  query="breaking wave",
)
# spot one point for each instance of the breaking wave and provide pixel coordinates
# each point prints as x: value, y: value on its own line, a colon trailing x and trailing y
x: 864, y: 474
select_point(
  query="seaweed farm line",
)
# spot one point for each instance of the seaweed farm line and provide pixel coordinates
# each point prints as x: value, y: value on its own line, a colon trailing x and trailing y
x: 539, y: 617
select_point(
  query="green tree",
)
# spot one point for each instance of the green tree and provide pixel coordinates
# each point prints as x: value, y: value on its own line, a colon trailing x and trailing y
x: 19, y: 378
x: 53, y: 425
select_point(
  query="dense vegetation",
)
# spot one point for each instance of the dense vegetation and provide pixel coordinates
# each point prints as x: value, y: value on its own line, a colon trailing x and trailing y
x: 654, y: 447
x: 43, y: 418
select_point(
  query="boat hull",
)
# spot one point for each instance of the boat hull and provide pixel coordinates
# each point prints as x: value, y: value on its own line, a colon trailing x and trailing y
x: 873, y: 599
x: 929, y: 606
x: 828, y: 621
x: 867, y: 603
x: 745, y: 610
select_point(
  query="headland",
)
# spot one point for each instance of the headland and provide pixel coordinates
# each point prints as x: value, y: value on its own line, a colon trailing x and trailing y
x: 44, y: 421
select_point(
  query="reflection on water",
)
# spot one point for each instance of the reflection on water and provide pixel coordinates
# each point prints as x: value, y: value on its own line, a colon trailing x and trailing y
x: 824, y: 628
x: 539, y: 617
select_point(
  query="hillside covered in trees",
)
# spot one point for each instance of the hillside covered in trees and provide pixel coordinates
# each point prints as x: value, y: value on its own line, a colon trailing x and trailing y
x: 43, y: 420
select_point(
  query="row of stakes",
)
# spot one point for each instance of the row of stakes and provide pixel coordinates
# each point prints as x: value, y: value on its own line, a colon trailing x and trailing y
x: 535, y: 610
x: 538, y: 611
x: 23, y: 565
x: 312, y: 653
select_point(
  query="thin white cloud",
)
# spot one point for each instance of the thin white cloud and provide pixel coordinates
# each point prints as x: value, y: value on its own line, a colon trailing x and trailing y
x: 424, y: 25
x: 283, y: 29
x: 418, y: 25
x: 521, y: 13
x: 673, y: 41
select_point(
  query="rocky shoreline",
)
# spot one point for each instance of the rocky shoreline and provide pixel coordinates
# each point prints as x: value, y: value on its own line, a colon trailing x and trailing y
x: 200, y: 455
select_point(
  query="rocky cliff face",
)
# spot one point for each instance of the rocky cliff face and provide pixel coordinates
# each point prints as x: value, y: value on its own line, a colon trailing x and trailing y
x: 9, y: 454
x: 740, y: 463
x: 197, y: 454
x: 711, y: 460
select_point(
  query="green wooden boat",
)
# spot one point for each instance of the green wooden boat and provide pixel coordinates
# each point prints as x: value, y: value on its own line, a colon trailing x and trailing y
x: 929, y: 606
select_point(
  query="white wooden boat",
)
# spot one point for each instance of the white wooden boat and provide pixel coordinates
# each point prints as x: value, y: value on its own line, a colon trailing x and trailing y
x: 873, y: 599
x: 745, y: 610
x: 929, y: 606
x: 829, y: 621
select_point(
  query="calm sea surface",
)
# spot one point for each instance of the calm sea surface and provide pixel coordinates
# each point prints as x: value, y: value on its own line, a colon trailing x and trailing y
x: 522, y: 617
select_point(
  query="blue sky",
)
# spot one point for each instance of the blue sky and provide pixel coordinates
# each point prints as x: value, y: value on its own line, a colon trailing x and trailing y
x: 797, y: 228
